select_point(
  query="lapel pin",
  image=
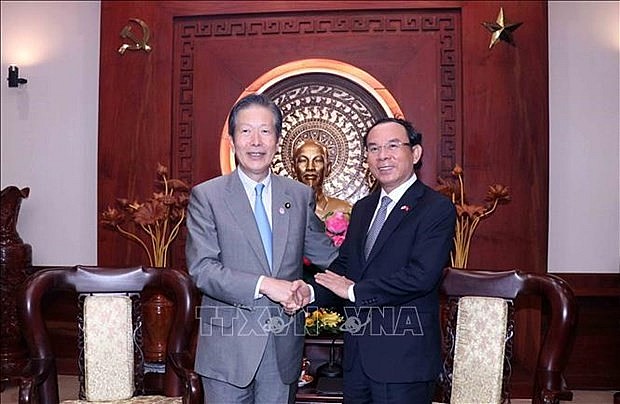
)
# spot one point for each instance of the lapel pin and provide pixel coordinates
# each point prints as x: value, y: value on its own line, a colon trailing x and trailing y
x: 281, y: 210
x: 287, y: 205
x: 405, y: 208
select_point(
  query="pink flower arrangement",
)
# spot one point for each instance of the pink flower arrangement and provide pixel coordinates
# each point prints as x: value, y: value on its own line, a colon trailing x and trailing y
x: 336, y: 224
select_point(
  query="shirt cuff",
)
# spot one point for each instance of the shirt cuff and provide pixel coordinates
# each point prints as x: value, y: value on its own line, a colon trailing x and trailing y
x: 257, y: 294
x: 351, y: 294
x: 311, y: 293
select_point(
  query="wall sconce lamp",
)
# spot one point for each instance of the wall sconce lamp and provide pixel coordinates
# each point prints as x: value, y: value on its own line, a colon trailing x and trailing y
x: 14, y: 79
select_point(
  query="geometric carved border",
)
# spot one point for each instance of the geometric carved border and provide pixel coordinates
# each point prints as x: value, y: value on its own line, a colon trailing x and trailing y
x: 189, y: 29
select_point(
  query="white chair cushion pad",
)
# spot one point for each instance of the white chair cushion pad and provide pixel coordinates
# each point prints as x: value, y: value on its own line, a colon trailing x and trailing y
x: 108, y: 348
x: 479, y: 350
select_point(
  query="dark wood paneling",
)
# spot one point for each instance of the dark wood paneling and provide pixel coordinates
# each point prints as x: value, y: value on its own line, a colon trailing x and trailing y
x: 134, y: 117
x: 505, y: 136
x: 595, y: 359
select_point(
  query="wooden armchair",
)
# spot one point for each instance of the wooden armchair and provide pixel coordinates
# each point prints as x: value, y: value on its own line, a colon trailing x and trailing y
x: 109, y: 300
x: 478, y: 335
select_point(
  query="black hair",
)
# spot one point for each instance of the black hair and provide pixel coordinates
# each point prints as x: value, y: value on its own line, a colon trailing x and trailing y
x: 248, y: 101
x: 415, y: 137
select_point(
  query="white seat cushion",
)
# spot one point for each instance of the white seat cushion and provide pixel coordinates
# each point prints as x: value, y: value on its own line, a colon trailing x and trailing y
x: 108, y: 348
x: 479, y: 350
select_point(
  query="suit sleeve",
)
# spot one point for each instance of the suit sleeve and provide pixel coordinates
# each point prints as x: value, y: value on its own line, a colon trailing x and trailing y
x: 203, y: 252
x: 317, y: 246
x: 320, y: 250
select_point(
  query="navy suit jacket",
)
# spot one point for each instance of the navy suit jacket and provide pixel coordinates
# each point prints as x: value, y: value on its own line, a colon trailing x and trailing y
x: 397, y: 287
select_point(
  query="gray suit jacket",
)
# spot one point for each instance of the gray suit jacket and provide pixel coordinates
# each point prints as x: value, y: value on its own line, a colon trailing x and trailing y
x: 225, y: 257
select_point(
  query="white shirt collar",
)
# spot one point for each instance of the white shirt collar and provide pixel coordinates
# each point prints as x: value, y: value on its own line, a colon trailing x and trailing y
x: 249, y: 185
x: 399, y: 191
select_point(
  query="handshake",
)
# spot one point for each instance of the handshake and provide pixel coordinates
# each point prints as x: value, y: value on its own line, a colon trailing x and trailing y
x: 292, y: 295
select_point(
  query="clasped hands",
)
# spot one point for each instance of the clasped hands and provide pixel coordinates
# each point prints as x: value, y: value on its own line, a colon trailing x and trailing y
x: 292, y: 295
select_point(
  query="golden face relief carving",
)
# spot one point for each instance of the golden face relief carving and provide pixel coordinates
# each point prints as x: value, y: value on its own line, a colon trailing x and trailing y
x: 311, y: 166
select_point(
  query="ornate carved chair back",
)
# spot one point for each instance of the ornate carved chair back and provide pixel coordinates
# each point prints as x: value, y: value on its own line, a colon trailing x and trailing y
x: 111, y: 360
x: 478, y: 333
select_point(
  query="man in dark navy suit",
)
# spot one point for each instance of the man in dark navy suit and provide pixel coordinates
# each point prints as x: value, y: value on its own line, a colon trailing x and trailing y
x: 389, y: 269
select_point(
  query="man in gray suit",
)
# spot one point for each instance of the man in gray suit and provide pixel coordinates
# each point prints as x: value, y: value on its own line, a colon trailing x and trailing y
x: 247, y: 234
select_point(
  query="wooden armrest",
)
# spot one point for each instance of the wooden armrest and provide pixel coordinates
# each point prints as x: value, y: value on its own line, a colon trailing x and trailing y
x: 182, y: 363
x: 38, y: 378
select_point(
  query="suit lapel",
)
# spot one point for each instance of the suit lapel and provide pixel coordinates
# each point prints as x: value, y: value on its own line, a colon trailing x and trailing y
x: 403, y: 208
x: 280, y: 218
x: 242, y: 214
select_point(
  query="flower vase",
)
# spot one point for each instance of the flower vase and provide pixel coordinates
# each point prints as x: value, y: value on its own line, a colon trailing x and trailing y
x: 157, y: 313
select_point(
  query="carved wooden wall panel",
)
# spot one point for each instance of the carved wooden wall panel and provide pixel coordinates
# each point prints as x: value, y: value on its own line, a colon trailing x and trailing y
x: 217, y: 58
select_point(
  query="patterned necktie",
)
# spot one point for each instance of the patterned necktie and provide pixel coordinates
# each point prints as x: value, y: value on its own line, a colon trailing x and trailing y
x: 263, y: 222
x: 376, y: 226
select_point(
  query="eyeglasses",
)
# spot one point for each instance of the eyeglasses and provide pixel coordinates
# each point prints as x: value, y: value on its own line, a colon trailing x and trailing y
x: 390, y: 147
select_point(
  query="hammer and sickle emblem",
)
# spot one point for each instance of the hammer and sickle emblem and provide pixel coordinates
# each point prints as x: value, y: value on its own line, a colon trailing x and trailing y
x: 127, y: 33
